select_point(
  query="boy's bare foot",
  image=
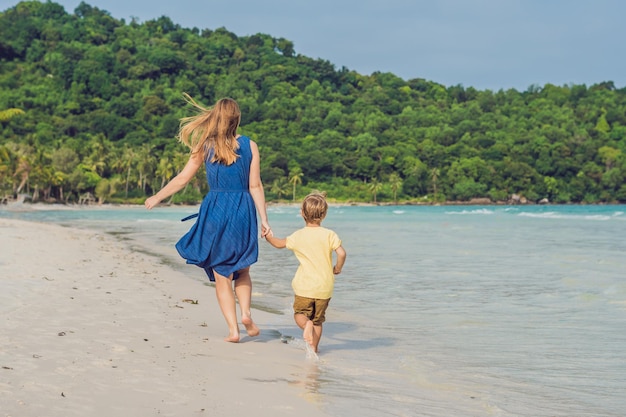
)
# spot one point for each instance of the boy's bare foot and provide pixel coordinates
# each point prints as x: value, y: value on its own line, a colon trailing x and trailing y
x: 307, y: 334
x: 251, y: 328
x: 310, y: 353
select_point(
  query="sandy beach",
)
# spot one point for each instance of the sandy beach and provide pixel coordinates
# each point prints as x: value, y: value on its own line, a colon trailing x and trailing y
x: 90, y: 328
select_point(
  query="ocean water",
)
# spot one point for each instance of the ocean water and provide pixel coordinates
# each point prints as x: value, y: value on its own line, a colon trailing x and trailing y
x: 440, y: 311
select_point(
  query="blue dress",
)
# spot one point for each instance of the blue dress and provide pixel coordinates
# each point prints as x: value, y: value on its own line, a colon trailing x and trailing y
x: 224, y: 237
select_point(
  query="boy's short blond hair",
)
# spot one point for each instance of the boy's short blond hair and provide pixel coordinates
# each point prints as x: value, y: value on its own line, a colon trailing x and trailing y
x: 314, y: 207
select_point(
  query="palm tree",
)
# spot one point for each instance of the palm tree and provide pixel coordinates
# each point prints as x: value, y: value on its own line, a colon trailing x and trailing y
x: 106, y: 188
x: 7, y: 166
x: 64, y: 161
x: 396, y: 182
x: 41, y: 172
x: 145, y: 165
x: 279, y: 187
x: 128, y: 162
x: 24, y: 166
x: 165, y: 168
x: 179, y: 160
x: 375, y: 187
x: 99, y: 151
x: 295, y: 178
x: 434, y: 175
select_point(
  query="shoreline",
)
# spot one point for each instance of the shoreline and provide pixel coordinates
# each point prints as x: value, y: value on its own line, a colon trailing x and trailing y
x: 94, y: 328
x: 23, y: 206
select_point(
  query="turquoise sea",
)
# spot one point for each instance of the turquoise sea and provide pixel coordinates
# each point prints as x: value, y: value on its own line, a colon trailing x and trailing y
x: 440, y: 311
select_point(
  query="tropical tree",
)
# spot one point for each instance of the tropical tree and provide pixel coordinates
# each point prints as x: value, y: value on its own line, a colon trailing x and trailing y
x: 396, y: 183
x: 127, y: 161
x: 374, y: 187
x: 146, y: 165
x: 295, y: 178
x: 609, y: 155
x: 105, y: 189
x: 99, y: 149
x: 165, y: 168
x: 24, y: 166
x: 41, y: 173
x: 434, y: 176
x: 7, y: 167
x: 111, y: 92
x: 279, y: 187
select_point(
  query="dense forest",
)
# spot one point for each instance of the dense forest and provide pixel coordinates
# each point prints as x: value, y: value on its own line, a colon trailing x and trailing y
x: 90, y: 105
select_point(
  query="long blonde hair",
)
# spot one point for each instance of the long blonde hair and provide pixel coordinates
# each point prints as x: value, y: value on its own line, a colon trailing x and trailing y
x: 212, y: 129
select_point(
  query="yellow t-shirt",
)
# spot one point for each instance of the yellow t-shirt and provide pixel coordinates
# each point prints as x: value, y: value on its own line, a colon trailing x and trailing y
x: 314, y: 246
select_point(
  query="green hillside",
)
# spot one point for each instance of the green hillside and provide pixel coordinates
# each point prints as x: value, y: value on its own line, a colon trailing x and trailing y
x: 90, y: 104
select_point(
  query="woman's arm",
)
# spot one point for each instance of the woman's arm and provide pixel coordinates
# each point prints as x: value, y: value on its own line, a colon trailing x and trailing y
x: 256, y: 188
x: 178, y: 182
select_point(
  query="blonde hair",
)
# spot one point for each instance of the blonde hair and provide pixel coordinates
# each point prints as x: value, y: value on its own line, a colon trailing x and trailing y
x: 213, y: 129
x: 314, y: 207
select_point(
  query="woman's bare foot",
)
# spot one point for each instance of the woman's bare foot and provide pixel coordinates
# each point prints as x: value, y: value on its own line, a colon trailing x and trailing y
x: 251, y: 328
x: 307, y: 334
x: 232, y: 338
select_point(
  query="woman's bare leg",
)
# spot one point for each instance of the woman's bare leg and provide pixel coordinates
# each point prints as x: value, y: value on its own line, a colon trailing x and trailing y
x: 226, y: 300
x: 243, y: 289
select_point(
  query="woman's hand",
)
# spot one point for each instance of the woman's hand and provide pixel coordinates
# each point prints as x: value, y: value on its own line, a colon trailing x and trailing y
x: 151, y: 202
x: 266, y: 229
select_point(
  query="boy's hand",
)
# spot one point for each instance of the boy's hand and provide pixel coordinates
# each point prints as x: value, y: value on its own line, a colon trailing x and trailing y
x: 336, y: 270
x: 278, y: 243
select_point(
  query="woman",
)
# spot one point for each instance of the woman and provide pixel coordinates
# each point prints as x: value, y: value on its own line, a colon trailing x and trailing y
x: 224, y: 238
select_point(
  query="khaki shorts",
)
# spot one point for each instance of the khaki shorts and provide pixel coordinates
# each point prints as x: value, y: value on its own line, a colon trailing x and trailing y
x: 313, y: 308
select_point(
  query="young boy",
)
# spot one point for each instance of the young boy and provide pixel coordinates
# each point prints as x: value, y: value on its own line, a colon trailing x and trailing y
x: 314, y: 281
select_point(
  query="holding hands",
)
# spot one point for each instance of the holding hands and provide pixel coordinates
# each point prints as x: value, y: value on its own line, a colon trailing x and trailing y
x: 266, y: 230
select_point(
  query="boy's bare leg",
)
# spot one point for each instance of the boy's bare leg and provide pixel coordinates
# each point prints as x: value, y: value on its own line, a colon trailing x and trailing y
x: 243, y: 289
x: 226, y: 300
x: 306, y: 325
x: 317, y: 335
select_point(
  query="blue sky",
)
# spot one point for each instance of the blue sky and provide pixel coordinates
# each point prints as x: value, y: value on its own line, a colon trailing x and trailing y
x: 486, y: 44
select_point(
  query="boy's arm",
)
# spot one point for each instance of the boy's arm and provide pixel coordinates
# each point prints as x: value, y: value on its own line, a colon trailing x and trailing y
x: 276, y: 241
x: 341, y: 259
